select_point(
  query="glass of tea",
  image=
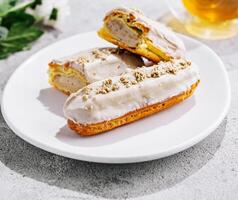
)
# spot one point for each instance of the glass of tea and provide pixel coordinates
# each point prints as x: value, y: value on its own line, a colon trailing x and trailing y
x: 209, y: 19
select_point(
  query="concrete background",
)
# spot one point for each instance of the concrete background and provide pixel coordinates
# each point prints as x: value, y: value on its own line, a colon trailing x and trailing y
x: 209, y: 170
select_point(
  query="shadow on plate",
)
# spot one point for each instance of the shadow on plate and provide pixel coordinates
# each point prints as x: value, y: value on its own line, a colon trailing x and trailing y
x: 53, y: 100
x: 142, y: 126
x: 106, y: 180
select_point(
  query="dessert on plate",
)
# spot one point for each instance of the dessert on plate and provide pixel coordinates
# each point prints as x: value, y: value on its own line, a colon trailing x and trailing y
x: 72, y: 73
x: 110, y: 87
x: 131, y: 30
x: 119, y: 100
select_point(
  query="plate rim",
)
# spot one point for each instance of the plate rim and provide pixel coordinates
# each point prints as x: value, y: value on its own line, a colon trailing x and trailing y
x: 119, y: 160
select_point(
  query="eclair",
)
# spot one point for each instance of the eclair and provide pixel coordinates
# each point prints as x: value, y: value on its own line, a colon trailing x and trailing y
x: 119, y: 100
x: 72, y: 73
x: 131, y: 30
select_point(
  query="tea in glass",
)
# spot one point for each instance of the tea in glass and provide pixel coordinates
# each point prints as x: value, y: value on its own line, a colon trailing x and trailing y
x: 210, y: 19
x: 213, y: 18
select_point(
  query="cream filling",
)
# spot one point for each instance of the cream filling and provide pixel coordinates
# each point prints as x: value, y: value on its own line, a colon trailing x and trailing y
x: 122, y: 32
x: 104, y: 107
x: 160, y: 35
x: 68, y: 83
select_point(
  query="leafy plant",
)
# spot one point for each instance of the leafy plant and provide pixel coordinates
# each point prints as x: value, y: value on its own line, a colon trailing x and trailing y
x: 18, y: 28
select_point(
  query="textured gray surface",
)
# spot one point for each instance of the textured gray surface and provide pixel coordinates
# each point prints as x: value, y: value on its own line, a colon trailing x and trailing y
x: 209, y: 170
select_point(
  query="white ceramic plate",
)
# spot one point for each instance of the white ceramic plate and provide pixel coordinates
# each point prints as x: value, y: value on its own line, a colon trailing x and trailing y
x: 33, y: 110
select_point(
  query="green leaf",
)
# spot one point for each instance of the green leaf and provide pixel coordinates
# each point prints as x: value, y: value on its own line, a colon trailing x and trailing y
x: 22, y: 33
x: 36, y: 3
x: 17, y: 17
x: 54, y: 14
x: 3, y: 32
x: 12, y: 2
x: 18, y: 38
x: 10, y: 6
x: 6, y: 50
x: 4, y: 7
x: 17, y: 28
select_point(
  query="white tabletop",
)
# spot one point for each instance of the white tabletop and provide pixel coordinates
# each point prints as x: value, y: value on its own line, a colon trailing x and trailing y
x: 208, y: 170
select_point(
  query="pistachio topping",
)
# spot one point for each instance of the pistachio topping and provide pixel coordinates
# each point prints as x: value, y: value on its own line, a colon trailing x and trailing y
x: 182, y: 63
x: 85, y: 97
x: 133, y: 82
x: 171, y: 70
x: 115, y: 87
x: 101, y: 91
x: 189, y: 63
x: 81, y: 60
x: 98, y: 53
x: 86, y: 90
x: 78, y: 60
x: 140, y: 76
x: 124, y: 80
x: 107, y: 82
x: 106, y: 87
x: 101, y: 54
x: 155, y: 74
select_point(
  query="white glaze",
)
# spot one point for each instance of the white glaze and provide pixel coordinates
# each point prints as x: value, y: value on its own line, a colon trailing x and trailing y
x: 98, y: 68
x: 103, y: 107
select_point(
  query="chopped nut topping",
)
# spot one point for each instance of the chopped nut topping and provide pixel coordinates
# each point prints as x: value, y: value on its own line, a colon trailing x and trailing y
x: 171, y: 70
x: 101, y: 91
x: 189, y: 63
x: 185, y: 63
x: 102, y: 54
x: 106, y: 51
x: 86, y: 90
x: 107, y: 82
x: 85, y: 97
x: 117, y: 51
x: 133, y: 82
x: 81, y: 60
x: 155, y: 74
x: 115, y: 87
x: 105, y: 88
x: 124, y: 80
x: 139, y: 76
x: 182, y: 63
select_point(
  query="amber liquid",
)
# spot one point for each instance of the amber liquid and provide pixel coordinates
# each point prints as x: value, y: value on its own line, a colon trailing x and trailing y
x: 212, y: 19
x: 213, y: 10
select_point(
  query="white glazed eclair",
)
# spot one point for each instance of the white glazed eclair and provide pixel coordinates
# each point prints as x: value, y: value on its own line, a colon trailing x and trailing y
x: 74, y: 72
x: 119, y: 100
x: 131, y: 30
